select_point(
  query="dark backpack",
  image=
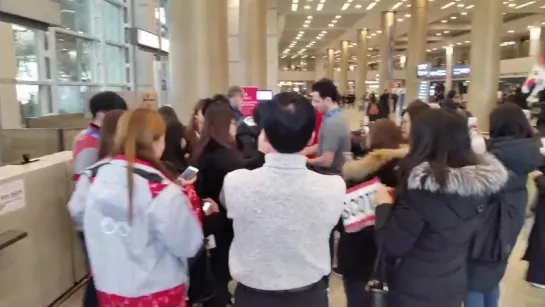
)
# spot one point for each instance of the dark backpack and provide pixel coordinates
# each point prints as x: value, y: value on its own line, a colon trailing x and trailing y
x: 492, y: 241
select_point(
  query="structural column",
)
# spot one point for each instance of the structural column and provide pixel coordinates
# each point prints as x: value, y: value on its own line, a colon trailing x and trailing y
x: 319, y: 71
x: 217, y: 38
x: 449, y: 51
x: 484, y: 77
x: 253, y: 38
x: 416, y: 53
x: 535, y: 41
x: 343, y: 79
x: 386, y: 67
x: 361, y: 67
x: 189, y: 56
x: 330, y: 69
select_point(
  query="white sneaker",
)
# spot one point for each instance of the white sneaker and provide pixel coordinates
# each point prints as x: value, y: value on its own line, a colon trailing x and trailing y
x: 542, y: 287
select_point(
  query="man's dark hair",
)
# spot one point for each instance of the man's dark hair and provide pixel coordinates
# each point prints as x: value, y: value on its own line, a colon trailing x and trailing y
x: 326, y: 88
x: 289, y: 122
x: 259, y: 113
x: 234, y: 90
x: 106, y: 101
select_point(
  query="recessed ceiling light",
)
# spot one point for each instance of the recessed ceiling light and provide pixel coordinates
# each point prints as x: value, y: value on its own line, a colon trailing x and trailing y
x: 307, y: 7
x: 324, y: 32
x: 446, y: 6
x: 379, y: 31
x: 358, y: 6
x: 308, y: 21
x: 338, y: 17
x: 458, y: 43
x: 511, y: 31
x: 444, y: 21
x: 407, y: 15
x: 331, y: 25
x: 460, y: 5
x: 334, y: 21
x: 467, y: 42
x: 400, y: 19
x: 409, y: 5
x: 305, y: 26
x: 309, y: 17
x: 469, y: 7
x: 453, y: 17
x: 446, y: 31
x: 463, y: 13
x: 434, y: 49
x: 438, y: 34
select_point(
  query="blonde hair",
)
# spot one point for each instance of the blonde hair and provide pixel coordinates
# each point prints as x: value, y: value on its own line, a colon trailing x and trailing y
x: 136, y: 131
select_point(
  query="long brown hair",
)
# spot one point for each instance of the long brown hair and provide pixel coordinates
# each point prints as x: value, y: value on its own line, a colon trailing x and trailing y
x: 384, y: 133
x: 107, y: 133
x: 136, y: 131
x: 217, y: 119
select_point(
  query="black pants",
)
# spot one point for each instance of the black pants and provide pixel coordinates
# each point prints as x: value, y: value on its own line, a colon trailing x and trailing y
x: 315, y: 296
x: 90, y: 298
x: 221, y: 297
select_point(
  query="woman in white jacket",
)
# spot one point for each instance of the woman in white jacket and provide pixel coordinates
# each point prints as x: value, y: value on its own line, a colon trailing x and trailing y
x: 138, y: 225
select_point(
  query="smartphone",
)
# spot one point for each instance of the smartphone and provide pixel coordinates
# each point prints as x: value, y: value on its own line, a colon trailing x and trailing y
x: 472, y: 122
x: 189, y: 173
x: 206, y: 206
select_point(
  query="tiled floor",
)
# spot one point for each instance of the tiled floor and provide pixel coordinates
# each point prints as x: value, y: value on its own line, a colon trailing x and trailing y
x: 515, y: 292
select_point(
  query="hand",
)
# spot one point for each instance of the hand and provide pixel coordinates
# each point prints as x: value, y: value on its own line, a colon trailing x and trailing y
x: 187, y: 182
x: 536, y: 174
x: 213, y: 208
x: 384, y: 195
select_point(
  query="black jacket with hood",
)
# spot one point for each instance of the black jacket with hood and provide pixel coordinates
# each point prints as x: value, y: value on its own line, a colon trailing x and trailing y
x: 356, y: 252
x: 429, y: 230
x: 520, y: 157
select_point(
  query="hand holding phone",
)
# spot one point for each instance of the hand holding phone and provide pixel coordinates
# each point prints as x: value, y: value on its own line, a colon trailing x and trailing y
x: 189, y: 176
x: 209, y: 207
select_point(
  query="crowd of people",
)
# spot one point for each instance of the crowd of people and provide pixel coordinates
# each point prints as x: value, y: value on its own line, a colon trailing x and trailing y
x: 269, y: 192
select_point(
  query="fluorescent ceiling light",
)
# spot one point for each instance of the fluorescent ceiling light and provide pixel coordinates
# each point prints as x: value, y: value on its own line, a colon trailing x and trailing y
x: 294, y: 7
x: 309, y: 17
x: 397, y: 5
x: 320, y: 7
x: 338, y: 17
x: 358, y: 6
x: 470, y: 7
x: 446, y: 6
x: 345, y: 6
x: 444, y: 21
x: 525, y: 4
x: 463, y: 13
x: 371, y: 6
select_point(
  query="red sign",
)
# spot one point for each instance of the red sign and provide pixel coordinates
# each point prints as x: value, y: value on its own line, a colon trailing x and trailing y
x: 249, y: 100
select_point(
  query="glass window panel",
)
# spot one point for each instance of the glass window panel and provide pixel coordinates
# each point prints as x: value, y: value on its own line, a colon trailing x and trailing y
x: 28, y: 52
x: 76, y: 15
x: 113, y: 19
x: 73, y: 99
x: 76, y: 59
x: 115, y: 68
x: 35, y: 100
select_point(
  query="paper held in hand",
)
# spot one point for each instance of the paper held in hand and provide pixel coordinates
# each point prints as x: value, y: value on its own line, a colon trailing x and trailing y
x: 359, y: 208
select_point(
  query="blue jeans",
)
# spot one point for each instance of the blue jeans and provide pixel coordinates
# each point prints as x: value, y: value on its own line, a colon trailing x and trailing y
x: 479, y: 299
x: 356, y: 296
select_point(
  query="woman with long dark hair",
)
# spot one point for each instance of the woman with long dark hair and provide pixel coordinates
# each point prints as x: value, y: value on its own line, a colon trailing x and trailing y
x: 356, y: 251
x: 215, y: 155
x: 512, y: 142
x: 425, y: 229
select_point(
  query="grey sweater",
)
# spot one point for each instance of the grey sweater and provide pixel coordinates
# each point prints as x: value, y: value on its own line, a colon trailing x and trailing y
x: 282, y: 215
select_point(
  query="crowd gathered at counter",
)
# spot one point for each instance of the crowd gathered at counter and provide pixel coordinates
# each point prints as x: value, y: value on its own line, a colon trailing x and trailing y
x: 175, y: 215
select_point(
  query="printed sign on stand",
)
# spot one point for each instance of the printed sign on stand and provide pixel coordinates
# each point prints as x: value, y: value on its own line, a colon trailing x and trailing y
x: 12, y: 196
x: 249, y: 100
x: 359, y: 207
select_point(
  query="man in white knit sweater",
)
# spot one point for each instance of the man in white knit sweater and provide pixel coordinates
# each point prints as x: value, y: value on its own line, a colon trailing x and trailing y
x: 282, y: 215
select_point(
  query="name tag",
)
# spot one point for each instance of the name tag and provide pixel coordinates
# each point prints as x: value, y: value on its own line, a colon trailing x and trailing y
x: 359, y: 207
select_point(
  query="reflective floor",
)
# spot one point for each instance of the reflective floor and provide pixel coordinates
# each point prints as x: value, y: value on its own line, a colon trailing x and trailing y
x: 515, y: 292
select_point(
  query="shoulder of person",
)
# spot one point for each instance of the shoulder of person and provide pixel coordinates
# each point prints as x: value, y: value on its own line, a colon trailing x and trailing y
x: 334, y: 183
x: 237, y: 177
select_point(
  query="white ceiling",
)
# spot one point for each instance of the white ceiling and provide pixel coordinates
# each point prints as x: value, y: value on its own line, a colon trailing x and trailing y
x: 323, y: 24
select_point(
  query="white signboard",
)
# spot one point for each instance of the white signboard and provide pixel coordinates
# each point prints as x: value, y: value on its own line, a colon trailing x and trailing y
x: 12, y: 196
x: 359, y: 207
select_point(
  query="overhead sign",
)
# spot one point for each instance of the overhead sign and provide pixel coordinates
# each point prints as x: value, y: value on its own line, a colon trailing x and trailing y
x: 150, y: 40
x: 425, y: 71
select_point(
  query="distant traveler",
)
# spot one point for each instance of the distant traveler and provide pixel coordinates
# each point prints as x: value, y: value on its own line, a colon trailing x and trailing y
x: 235, y: 95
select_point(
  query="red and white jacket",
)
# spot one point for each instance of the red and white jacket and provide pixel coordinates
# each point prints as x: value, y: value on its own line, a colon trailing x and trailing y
x: 138, y: 261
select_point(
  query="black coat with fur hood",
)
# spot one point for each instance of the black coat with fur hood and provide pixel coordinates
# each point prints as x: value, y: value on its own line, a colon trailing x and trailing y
x: 429, y: 230
x: 356, y: 252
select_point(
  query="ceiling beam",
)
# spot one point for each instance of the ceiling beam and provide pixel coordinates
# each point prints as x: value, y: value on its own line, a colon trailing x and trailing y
x: 448, y: 26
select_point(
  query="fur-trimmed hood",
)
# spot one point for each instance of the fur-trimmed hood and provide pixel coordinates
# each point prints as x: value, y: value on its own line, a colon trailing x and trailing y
x: 483, y: 179
x: 357, y: 170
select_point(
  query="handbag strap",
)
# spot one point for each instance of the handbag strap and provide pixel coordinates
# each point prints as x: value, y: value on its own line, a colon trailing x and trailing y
x: 379, y: 267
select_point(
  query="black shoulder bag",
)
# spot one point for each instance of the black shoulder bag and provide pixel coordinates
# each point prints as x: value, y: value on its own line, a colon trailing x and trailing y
x: 377, y: 285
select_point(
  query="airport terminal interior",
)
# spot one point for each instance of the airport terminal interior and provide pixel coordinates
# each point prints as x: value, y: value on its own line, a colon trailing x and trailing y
x: 56, y: 54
